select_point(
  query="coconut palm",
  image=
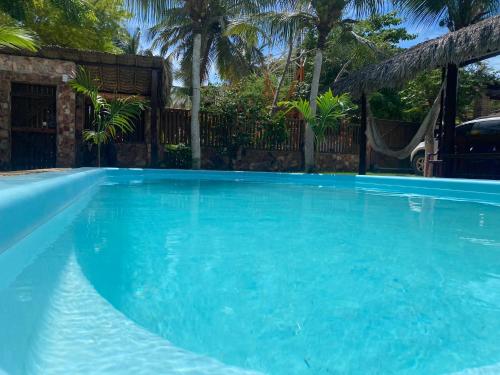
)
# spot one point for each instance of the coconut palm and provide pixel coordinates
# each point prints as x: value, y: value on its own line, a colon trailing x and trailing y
x: 454, y: 14
x: 195, y: 29
x: 273, y: 28
x: 320, y: 17
x: 108, y: 116
x: 131, y: 42
x: 17, y: 38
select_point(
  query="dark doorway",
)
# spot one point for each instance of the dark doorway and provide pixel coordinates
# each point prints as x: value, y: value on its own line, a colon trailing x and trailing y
x: 34, y: 126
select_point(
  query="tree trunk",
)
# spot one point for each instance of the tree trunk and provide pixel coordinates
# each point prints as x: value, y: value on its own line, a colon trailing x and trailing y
x: 430, y: 141
x: 274, y: 106
x: 99, y: 155
x: 195, y: 110
x: 429, y: 150
x: 309, y: 133
x: 449, y: 117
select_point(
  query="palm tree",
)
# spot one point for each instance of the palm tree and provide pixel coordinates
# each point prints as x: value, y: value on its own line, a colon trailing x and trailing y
x: 17, y: 38
x: 281, y: 28
x: 131, y: 42
x: 454, y: 14
x: 320, y: 17
x: 195, y: 28
x: 108, y: 116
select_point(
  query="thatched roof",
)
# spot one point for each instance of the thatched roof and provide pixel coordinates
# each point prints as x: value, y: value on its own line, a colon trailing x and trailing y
x: 123, y: 74
x: 466, y: 45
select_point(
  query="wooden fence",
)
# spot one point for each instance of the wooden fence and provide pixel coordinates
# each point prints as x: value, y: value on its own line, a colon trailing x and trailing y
x: 397, y: 135
x: 219, y: 131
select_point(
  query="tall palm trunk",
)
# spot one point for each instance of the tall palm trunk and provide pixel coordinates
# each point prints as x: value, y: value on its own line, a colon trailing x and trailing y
x: 274, y: 106
x: 195, y: 110
x: 309, y: 134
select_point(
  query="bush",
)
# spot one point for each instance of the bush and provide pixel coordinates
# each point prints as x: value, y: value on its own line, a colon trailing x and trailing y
x: 177, y: 156
x: 245, y: 106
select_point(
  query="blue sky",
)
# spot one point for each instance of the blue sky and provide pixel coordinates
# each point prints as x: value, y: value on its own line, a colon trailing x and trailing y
x: 423, y: 33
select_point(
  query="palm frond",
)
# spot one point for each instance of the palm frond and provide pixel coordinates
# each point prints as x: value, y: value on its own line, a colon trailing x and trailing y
x: 451, y: 13
x: 330, y: 110
x: 152, y: 11
x: 83, y: 84
x: 17, y: 38
x: 366, y: 7
x: 121, y: 113
x: 245, y: 29
x: 302, y: 106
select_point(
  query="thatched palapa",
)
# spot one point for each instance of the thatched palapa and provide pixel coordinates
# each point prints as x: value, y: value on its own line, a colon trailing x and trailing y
x: 470, y: 44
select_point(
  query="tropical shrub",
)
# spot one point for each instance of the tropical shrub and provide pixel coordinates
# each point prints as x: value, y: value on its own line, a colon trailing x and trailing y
x: 330, y: 110
x: 108, y: 116
x: 244, y: 109
x: 177, y: 156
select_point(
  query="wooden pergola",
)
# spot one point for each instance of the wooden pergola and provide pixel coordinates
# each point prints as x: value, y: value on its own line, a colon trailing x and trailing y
x: 449, y: 52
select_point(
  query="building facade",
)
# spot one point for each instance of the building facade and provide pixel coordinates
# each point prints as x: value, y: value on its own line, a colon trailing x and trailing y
x: 42, y: 119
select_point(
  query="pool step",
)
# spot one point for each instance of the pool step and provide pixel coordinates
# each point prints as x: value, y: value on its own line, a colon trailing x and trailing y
x: 81, y: 333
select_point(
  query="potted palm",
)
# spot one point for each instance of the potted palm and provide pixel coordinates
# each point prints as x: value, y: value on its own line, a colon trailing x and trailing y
x: 109, y: 116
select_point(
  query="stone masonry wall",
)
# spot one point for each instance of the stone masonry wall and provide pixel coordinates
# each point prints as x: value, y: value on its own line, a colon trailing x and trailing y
x: 39, y: 71
x: 278, y: 161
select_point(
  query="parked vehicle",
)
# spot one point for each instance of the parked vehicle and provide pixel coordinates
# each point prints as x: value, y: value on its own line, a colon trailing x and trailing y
x: 481, y: 135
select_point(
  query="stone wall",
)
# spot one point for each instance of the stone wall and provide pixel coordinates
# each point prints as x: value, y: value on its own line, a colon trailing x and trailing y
x: 39, y: 71
x: 337, y: 162
x: 277, y: 161
x: 132, y: 155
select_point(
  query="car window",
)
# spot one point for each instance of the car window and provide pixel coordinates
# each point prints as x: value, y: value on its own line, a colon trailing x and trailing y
x: 486, y: 127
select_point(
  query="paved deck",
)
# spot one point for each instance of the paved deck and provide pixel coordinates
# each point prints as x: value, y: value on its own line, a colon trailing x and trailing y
x: 31, y: 171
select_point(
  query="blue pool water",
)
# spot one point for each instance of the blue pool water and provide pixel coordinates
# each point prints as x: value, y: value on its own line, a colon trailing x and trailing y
x: 251, y: 277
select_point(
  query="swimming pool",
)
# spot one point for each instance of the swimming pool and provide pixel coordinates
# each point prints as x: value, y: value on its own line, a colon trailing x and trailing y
x: 149, y: 272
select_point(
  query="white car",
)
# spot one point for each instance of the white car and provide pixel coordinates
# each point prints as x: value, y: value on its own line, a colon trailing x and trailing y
x: 417, y: 158
x: 470, y: 135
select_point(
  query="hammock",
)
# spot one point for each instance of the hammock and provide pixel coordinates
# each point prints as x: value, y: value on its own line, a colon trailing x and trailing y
x: 427, y: 127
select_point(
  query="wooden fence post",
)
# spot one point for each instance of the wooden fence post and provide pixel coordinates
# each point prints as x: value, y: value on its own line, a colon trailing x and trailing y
x: 154, y: 118
x: 362, y: 137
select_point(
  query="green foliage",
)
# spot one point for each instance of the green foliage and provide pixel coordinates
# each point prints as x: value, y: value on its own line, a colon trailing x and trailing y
x: 274, y: 128
x: 387, y: 104
x: 175, y: 23
x: 354, y: 45
x: 129, y: 42
x: 17, y: 38
x: 419, y: 94
x: 71, y: 23
x: 244, y: 110
x: 330, y: 110
x: 450, y: 13
x: 107, y: 116
x: 177, y: 156
x: 472, y: 80
x: 384, y: 30
x: 414, y: 101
